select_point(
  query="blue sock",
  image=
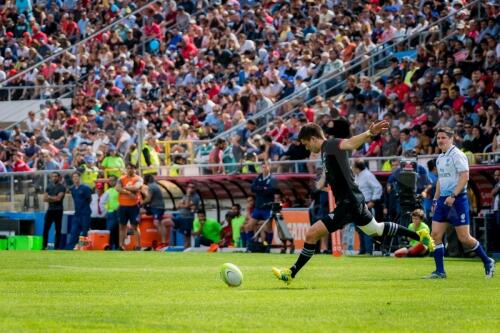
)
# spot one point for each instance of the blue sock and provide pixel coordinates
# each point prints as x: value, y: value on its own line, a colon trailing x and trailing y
x: 269, y: 237
x: 481, y: 254
x: 439, y: 258
x: 249, y: 237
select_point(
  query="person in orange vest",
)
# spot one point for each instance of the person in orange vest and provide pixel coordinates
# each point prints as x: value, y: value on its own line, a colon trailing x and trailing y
x: 129, y: 189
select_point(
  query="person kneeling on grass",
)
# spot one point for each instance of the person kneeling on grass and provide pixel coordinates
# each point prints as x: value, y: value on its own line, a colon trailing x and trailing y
x: 206, y: 231
x: 416, y: 249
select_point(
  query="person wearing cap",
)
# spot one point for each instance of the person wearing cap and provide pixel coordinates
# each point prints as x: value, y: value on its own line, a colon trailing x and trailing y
x: 89, y: 172
x: 150, y: 160
x: 21, y: 27
x: 80, y: 224
x: 54, y: 196
x: 112, y: 163
x: 98, y: 208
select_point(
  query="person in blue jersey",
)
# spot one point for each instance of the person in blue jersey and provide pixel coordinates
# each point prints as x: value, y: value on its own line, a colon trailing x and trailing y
x: 82, y: 196
x: 451, y: 205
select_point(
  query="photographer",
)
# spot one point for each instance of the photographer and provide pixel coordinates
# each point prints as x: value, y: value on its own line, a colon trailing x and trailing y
x: 407, y: 197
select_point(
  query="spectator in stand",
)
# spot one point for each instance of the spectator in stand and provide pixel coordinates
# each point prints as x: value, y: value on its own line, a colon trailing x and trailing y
x: 296, y: 151
x: 408, y: 142
x: 273, y: 150
x: 89, y: 171
x: 216, y: 157
x: 18, y: 164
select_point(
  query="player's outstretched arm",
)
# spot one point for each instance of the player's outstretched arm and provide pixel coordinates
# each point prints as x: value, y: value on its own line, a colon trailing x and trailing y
x: 356, y: 141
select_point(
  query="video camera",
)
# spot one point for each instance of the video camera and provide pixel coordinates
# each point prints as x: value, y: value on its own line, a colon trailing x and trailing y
x: 275, y: 206
x: 407, y: 183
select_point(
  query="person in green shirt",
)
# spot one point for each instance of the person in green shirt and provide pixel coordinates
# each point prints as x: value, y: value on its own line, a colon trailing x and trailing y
x: 237, y: 224
x: 416, y: 249
x: 110, y: 200
x: 206, y: 231
x: 113, y: 162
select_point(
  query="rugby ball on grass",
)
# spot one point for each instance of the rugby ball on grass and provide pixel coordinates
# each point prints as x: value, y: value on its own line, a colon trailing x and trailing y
x: 231, y: 275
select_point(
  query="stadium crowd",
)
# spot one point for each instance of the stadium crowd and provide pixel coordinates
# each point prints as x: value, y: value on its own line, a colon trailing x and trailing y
x: 33, y: 30
x: 191, y: 70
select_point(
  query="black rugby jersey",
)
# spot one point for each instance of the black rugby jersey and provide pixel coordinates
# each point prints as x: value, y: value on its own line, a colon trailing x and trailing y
x: 338, y: 171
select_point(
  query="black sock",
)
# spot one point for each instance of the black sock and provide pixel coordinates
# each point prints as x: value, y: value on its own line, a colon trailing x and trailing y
x: 305, y: 255
x: 392, y: 229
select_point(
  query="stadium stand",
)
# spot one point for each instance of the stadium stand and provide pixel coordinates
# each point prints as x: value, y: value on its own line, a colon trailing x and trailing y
x: 212, y: 81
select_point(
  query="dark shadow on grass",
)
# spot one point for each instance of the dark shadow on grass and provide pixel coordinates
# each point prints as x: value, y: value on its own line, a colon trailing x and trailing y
x: 283, y: 288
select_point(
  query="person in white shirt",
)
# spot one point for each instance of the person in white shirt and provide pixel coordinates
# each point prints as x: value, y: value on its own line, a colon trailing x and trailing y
x: 32, y: 122
x: 462, y: 82
x: 325, y: 16
x: 143, y: 87
x: 98, y: 208
x: 372, y: 191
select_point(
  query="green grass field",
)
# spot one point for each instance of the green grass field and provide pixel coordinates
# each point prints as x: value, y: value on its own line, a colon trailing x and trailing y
x: 174, y: 292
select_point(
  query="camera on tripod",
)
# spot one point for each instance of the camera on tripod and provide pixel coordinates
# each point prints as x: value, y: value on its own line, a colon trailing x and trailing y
x: 407, y: 184
x: 275, y: 206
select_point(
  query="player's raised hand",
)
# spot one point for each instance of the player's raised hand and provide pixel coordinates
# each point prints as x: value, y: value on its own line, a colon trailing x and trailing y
x: 379, y: 127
